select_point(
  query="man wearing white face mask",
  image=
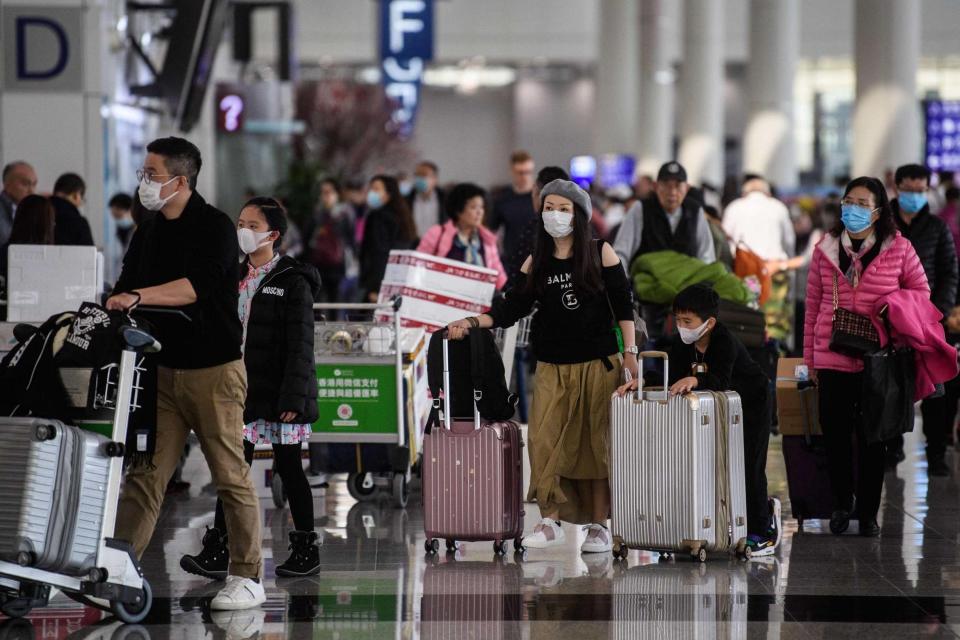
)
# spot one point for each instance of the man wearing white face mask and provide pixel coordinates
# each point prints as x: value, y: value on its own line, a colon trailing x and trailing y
x: 668, y: 220
x: 186, y: 257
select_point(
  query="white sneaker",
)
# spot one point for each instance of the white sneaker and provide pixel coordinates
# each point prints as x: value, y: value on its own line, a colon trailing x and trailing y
x: 598, y: 539
x: 240, y: 593
x: 777, y: 521
x: 547, y: 533
x: 239, y: 625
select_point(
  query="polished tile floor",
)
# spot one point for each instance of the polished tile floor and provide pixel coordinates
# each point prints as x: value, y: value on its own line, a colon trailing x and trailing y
x: 377, y: 583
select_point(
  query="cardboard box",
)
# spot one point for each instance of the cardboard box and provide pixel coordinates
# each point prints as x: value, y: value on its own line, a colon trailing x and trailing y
x: 436, y: 291
x: 792, y: 402
x: 43, y: 280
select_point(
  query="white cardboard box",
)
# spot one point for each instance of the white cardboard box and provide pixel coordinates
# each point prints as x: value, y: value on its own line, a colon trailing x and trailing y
x: 46, y: 279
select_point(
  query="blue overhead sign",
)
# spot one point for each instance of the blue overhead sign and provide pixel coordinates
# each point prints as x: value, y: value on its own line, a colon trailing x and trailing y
x: 943, y: 134
x: 406, y: 45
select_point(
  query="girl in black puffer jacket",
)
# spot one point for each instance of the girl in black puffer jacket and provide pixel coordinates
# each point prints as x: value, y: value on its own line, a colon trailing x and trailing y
x: 276, y: 310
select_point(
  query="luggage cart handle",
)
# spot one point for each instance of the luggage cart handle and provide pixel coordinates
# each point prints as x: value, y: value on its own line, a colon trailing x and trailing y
x: 654, y: 355
x: 393, y: 305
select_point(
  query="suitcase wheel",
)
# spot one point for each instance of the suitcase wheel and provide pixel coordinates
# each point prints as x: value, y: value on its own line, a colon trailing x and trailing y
x: 134, y: 613
x: 401, y: 492
x: 500, y: 547
x: 362, y: 487
x: 432, y: 546
x: 699, y: 554
x: 518, y: 547
x: 452, y: 546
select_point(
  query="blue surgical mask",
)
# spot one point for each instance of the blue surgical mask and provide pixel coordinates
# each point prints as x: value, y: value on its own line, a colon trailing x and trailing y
x: 911, y: 202
x: 855, y: 218
x: 124, y: 223
x: 421, y: 185
x: 406, y: 188
x: 374, y: 200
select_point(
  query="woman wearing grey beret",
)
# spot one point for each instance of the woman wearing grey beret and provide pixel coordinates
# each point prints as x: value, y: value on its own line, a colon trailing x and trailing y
x: 583, y: 339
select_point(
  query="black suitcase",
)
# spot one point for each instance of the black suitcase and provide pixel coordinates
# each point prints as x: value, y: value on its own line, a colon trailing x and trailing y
x: 747, y: 324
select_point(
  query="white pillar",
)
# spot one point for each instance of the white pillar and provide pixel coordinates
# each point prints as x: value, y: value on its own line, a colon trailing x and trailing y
x: 886, y: 119
x: 768, y: 146
x: 701, y: 92
x: 657, y: 82
x: 616, y: 95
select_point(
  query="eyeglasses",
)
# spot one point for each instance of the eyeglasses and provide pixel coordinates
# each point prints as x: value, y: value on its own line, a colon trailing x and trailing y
x: 149, y: 175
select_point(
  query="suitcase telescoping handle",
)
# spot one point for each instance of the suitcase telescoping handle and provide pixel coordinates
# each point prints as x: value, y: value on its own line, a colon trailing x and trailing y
x: 447, y: 418
x: 661, y: 396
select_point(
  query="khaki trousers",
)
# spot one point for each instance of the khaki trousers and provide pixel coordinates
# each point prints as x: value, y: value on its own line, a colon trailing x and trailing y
x: 209, y: 402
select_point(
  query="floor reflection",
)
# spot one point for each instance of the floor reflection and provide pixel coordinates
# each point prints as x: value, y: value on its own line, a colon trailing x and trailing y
x: 377, y: 583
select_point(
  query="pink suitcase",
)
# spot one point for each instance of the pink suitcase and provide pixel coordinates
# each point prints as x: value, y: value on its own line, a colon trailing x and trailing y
x: 472, y: 479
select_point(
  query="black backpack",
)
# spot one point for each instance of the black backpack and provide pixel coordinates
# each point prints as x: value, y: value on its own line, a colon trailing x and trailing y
x: 475, y: 363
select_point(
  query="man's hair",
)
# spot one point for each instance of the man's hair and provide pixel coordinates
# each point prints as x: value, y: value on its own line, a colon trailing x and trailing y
x: 549, y: 174
x: 518, y: 157
x: 69, y: 184
x: 952, y: 193
x: 911, y: 172
x: 747, y: 177
x: 12, y: 166
x: 700, y: 299
x: 121, y: 201
x: 181, y: 157
x: 430, y: 165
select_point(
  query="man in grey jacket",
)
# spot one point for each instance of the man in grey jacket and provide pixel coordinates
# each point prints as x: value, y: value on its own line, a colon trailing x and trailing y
x: 665, y: 221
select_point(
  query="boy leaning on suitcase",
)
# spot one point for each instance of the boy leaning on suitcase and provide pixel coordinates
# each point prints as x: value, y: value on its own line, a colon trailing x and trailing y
x: 705, y: 356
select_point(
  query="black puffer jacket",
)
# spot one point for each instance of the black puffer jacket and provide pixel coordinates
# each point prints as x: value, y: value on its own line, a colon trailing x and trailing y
x: 932, y: 241
x: 278, y: 354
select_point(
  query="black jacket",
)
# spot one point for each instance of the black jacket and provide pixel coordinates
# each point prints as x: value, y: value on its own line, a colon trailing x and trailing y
x: 71, y: 227
x: 278, y: 354
x: 933, y: 242
x: 381, y: 234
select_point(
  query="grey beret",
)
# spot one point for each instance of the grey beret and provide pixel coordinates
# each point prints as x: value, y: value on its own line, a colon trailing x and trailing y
x: 571, y: 191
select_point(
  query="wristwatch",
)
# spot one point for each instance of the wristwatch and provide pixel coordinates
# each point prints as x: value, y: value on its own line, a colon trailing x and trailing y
x: 634, y: 350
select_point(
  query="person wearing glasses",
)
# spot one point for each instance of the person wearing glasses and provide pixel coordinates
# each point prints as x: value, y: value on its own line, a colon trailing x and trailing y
x: 187, y: 258
x: 933, y: 242
x: 864, y: 259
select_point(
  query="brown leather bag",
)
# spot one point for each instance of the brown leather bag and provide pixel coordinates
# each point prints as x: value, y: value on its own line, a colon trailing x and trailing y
x: 747, y: 263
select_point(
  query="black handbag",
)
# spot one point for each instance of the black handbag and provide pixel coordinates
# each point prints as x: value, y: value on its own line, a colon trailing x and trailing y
x: 889, y: 376
x: 852, y: 334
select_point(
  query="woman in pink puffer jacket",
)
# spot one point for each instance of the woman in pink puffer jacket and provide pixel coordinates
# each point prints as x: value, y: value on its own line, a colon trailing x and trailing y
x: 868, y: 259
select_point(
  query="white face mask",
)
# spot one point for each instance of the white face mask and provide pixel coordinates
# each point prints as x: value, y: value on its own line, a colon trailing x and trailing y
x: 689, y: 336
x: 557, y: 223
x: 250, y: 240
x: 149, y: 192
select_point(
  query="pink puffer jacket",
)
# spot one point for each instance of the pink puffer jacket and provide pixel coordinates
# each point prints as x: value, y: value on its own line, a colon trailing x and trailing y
x: 896, y: 267
x: 438, y: 240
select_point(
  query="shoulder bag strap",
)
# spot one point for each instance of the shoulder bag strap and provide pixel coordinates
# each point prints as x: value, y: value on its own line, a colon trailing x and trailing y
x: 836, y: 293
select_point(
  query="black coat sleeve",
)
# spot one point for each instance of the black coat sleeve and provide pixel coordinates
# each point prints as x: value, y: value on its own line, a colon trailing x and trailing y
x: 618, y: 292
x: 944, y: 293
x: 131, y: 262
x: 214, y: 257
x: 299, y: 375
x: 719, y: 358
x: 516, y: 303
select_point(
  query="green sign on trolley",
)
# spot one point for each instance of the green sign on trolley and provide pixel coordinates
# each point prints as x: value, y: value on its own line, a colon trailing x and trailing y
x: 356, y: 399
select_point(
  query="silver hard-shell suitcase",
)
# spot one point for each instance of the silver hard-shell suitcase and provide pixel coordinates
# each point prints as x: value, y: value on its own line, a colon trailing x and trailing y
x: 55, y: 481
x: 667, y: 492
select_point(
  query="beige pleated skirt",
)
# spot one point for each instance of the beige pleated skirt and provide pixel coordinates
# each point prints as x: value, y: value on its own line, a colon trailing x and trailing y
x: 568, y: 435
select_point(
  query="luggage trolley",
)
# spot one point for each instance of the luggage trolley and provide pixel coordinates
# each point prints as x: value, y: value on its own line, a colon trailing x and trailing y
x: 367, y: 426
x: 115, y: 581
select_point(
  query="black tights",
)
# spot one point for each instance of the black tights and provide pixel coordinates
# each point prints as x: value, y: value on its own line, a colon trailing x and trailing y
x: 289, y: 465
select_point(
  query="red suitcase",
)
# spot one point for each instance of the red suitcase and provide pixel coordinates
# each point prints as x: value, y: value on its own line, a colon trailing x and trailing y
x: 471, y: 600
x: 472, y: 479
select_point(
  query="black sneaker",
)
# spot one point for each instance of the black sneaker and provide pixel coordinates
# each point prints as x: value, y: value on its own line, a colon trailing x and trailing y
x: 213, y: 561
x: 869, y: 528
x: 304, y: 558
x: 839, y: 522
